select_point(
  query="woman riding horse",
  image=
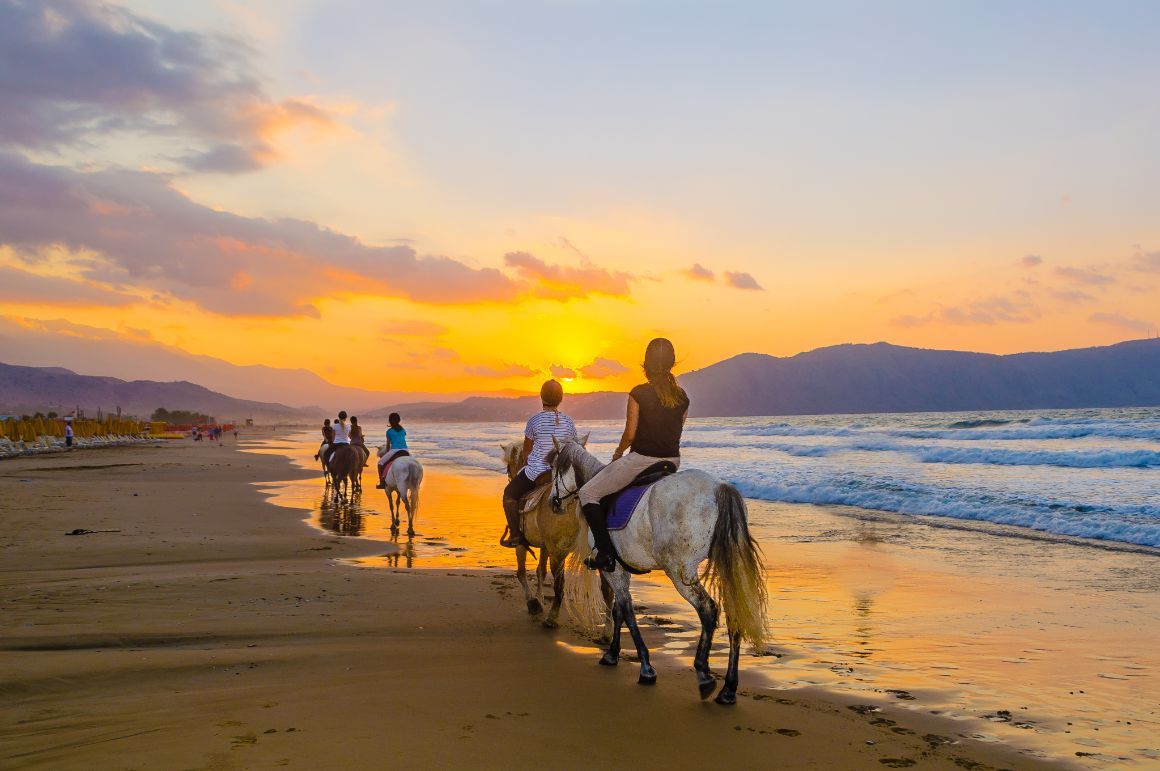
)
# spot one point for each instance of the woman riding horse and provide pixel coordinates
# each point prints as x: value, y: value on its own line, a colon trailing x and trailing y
x: 327, y: 439
x: 542, y: 427
x: 652, y: 433
x: 396, y: 446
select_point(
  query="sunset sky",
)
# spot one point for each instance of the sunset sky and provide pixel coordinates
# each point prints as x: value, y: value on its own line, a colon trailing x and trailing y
x: 470, y: 196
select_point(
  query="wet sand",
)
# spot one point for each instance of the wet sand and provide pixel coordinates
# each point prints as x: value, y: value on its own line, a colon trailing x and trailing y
x: 214, y: 630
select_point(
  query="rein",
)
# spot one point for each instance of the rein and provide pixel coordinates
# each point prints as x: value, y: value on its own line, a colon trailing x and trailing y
x: 558, y: 500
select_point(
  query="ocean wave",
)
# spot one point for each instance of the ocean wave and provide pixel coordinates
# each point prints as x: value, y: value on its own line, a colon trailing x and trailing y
x: 1111, y: 431
x: 1067, y: 459
x: 1138, y: 525
x: 984, y: 422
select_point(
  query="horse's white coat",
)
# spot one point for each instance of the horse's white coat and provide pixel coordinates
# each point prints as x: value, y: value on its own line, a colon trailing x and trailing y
x: 401, y: 485
x: 673, y: 529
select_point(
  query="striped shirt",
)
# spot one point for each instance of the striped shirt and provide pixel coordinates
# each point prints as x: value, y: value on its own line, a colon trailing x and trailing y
x: 540, y: 429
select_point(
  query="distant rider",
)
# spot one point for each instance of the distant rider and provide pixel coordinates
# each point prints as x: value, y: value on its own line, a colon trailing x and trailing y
x: 396, y: 446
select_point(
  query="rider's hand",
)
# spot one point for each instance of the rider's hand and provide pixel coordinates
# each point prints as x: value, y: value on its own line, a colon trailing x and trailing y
x: 617, y: 453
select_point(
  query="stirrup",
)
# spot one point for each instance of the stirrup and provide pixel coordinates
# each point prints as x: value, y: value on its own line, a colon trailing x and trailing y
x: 510, y: 540
x: 599, y: 561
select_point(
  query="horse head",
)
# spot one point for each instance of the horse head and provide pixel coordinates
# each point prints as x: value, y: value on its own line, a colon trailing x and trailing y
x: 511, y: 457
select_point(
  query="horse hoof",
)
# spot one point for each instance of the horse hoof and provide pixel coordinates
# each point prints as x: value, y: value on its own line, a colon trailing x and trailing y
x: 535, y: 608
x: 550, y: 623
x: 726, y: 698
x: 608, y: 660
x: 648, y: 676
x: 410, y: 531
x: 706, y: 687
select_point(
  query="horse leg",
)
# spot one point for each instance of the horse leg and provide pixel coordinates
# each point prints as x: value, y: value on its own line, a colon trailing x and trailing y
x: 728, y: 693
x: 557, y: 563
x: 534, y: 606
x: 618, y: 587
x: 606, y: 592
x: 406, y: 500
x: 648, y: 675
x: 541, y: 574
x: 706, y: 608
x: 393, y: 504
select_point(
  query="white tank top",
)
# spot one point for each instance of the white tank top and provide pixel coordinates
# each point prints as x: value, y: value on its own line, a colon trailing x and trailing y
x: 340, y: 433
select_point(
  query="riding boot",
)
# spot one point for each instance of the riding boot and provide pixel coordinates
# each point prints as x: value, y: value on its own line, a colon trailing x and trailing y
x: 603, y: 559
x: 515, y: 536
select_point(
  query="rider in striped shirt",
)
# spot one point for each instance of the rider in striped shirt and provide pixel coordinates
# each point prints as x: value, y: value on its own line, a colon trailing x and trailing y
x: 538, y: 434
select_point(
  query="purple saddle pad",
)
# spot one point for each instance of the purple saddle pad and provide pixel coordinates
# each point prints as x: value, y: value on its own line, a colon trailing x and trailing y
x: 624, y: 504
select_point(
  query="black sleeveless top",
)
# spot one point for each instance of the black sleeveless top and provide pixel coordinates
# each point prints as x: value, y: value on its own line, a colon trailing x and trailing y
x: 658, y: 434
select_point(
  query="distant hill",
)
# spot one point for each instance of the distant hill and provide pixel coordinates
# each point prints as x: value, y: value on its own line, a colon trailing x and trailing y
x: 86, y: 349
x: 591, y: 406
x: 24, y: 390
x: 873, y: 378
x: 891, y: 378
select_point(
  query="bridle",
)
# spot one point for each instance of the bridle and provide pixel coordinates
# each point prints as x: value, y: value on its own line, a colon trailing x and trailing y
x: 558, y: 500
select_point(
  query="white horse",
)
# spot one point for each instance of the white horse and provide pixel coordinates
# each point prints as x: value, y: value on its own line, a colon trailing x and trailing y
x: 401, y: 484
x: 680, y: 522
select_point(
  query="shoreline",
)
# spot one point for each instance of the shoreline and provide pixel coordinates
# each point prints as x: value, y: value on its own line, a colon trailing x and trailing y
x: 247, y: 627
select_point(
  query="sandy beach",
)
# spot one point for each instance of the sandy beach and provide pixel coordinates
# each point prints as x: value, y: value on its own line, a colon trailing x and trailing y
x: 211, y: 629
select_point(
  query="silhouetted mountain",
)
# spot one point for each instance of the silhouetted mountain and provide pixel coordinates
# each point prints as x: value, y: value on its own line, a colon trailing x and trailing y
x: 873, y: 378
x: 26, y: 390
x: 91, y: 350
x: 592, y: 406
x: 890, y: 378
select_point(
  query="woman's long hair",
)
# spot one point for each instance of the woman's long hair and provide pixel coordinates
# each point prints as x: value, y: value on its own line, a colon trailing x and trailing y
x: 394, y: 419
x: 659, y: 358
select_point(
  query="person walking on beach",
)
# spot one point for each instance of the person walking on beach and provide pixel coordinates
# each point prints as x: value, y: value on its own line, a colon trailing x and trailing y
x: 657, y: 410
x: 538, y: 435
x: 68, y: 434
x: 396, y: 446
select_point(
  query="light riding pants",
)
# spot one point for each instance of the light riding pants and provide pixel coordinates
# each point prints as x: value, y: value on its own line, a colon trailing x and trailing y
x: 618, y: 475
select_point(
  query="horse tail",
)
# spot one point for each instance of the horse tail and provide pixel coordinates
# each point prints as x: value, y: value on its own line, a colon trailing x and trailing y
x: 586, y: 607
x: 413, y: 481
x: 735, y: 573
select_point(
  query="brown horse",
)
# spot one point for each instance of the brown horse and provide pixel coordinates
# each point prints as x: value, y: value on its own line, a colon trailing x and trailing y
x: 345, y: 466
x: 554, y: 533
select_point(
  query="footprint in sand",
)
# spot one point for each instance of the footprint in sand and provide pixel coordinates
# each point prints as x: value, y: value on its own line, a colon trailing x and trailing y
x: 897, y: 762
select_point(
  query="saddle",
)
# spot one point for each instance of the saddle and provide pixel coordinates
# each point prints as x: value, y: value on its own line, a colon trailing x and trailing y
x: 621, y: 505
x: 334, y: 450
x: 543, y: 483
x: 387, y: 465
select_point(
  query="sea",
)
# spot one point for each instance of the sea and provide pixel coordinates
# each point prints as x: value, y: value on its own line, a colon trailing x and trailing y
x: 1091, y: 474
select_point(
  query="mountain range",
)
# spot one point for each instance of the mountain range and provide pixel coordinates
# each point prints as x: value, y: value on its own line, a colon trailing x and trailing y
x: 880, y: 377
x: 850, y: 378
x: 25, y: 390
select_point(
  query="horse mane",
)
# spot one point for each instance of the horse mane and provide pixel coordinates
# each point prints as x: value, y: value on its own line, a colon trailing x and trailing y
x: 576, y: 455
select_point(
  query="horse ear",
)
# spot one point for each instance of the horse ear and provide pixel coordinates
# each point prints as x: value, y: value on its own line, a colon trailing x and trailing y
x: 584, y: 441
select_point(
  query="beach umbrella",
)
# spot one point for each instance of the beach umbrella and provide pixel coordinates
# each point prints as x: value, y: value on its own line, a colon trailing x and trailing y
x: 29, y: 432
x: 38, y: 428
